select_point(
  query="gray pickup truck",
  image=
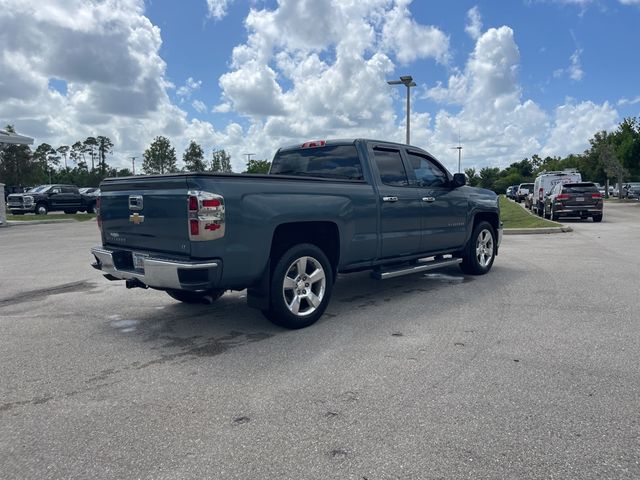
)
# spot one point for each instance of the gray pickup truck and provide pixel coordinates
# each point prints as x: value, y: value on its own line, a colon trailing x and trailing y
x: 326, y: 207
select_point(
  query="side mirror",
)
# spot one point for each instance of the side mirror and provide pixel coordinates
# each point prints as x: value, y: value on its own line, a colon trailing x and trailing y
x: 459, y: 180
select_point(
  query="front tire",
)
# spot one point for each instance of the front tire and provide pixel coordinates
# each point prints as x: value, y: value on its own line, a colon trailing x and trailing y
x: 480, y: 251
x: 301, y: 286
x: 597, y: 218
x: 185, y: 296
x: 41, y: 209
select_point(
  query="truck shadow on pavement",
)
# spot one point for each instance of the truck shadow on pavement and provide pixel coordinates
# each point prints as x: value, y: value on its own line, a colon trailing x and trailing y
x: 184, y: 332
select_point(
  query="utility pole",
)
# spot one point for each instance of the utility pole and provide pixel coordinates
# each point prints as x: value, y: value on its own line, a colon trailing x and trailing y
x: 459, y: 148
x: 407, y: 81
x: 133, y: 164
x: 248, y: 156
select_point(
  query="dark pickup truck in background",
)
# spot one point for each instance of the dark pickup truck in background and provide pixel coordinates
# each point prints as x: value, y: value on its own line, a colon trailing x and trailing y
x: 326, y: 207
x: 47, y: 198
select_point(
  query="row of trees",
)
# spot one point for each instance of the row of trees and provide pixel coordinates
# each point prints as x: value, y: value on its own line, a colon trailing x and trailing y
x: 160, y: 157
x: 85, y: 162
x: 611, y: 156
x: 81, y: 163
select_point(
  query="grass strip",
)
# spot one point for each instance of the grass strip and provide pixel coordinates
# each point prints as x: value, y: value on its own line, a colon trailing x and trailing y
x: 27, y: 217
x: 514, y: 216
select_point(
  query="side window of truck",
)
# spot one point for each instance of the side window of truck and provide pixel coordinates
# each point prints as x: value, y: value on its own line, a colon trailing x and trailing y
x: 427, y: 173
x: 391, y: 168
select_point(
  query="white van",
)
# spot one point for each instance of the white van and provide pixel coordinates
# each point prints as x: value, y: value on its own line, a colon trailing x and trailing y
x: 545, y: 181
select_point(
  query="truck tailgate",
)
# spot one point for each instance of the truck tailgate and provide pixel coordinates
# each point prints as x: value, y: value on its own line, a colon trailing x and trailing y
x: 147, y: 214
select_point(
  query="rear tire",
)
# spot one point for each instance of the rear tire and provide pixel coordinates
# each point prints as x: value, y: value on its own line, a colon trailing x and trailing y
x: 480, y: 251
x: 185, y: 296
x: 301, y: 285
x: 597, y: 218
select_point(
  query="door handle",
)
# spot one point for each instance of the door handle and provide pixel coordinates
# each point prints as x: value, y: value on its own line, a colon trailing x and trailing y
x: 389, y: 199
x: 428, y: 199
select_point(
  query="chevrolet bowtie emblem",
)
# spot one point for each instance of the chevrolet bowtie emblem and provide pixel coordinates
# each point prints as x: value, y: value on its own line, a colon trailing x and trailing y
x: 136, y: 218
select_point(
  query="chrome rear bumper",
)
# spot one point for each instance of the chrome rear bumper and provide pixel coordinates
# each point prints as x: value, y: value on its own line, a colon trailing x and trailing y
x: 158, y: 272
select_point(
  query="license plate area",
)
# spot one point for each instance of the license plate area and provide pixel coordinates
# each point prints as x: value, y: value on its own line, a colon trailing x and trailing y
x: 579, y: 199
x: 138, y: 260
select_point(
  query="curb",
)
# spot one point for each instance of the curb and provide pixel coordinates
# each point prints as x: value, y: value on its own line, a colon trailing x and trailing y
x: 533, y: 231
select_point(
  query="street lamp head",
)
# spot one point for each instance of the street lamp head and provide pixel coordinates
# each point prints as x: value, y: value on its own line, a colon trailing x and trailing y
x: 394, y: 82
x: 406, y: 79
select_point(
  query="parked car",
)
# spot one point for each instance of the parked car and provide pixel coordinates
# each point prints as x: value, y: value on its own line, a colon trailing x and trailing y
x: 326, y: 207
x: 528, y: 200
x: 514, y: 192
x: 45, y: 198
x: 522, y: 191
x: 632, y: 190
x: 509, y: 192
x: 89, y: 190
x: 574, y: 200
x: 545, y: 181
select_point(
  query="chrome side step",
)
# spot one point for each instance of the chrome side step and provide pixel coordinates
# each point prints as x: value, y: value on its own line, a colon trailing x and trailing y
x: 430, y: 265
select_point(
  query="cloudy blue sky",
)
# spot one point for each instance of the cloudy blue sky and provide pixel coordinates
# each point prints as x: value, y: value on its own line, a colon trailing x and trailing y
x: 512, y: 78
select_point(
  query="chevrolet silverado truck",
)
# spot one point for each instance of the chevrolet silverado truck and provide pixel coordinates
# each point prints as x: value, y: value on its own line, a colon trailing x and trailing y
x: 326, y: 207
x: 46, y: 198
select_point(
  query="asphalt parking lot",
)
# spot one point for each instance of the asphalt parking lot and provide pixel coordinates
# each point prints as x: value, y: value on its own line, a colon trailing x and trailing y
x: 531, y: 371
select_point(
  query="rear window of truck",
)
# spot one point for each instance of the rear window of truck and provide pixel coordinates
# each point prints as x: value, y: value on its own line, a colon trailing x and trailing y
x: 331, y: 161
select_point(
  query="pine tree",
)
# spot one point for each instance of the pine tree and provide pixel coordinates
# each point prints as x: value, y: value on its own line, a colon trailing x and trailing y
x: 221, y: 162
x: 160, y: 157
x: 193, y: 158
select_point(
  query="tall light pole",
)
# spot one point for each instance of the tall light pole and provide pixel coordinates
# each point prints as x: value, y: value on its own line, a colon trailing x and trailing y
x: 407, y: 81
x: 459, y: 148
x: 248, y: 156
x: 133, y: 164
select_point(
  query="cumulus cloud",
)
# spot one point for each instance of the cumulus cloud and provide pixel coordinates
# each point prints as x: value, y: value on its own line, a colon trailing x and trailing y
x: 199, y: 106
x: 474, y: 23
x: 497, y: 126
x: 189, y: 87
x: 627, y: 101
x: 575, y: 123
x: 107, y: 55
x: 218, y: 8
x: 287, y: 83
x: 574, y: 71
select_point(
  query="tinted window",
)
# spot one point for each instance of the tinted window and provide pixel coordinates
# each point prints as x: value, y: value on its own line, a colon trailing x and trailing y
x: 579, y: 188
x: 427, y: 173
x: 336, y: 161
x: 391, y: 168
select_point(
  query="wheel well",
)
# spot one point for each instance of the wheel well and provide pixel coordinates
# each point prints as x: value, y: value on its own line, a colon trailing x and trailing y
x: 492, y: 218
x: 324, y: 235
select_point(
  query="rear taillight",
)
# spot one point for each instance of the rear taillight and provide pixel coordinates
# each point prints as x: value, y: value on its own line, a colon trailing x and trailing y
x: 206, y: 213
x: 194, y: 227
x: 596, y: 195
x: 562, y: 196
